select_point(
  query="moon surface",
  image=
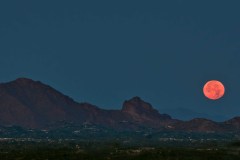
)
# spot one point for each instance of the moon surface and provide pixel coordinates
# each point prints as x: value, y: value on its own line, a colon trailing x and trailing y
x: 213, y: 89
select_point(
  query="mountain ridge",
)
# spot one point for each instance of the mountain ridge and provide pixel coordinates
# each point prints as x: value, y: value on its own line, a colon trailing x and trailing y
x: 33, y: 104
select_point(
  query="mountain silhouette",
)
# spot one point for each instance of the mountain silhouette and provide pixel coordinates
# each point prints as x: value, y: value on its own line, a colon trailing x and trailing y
x: 32, y: 104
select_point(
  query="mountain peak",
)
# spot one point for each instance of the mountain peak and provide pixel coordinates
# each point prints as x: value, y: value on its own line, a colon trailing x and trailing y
x: 136, y: 98
x: 30, y: 103
x: 234, y: 122
x: 142, y: 111
x: 137, y: 103
x: 24, y: 81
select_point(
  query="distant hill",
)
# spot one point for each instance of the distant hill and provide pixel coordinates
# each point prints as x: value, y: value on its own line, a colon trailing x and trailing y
x: 32, y: 104
x: 188, y: 114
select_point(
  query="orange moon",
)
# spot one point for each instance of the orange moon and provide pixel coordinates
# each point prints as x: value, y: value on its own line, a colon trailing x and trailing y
x: 213, y: 89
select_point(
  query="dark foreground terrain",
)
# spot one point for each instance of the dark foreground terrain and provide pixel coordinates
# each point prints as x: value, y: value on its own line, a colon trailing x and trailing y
x: 91, y: 142
x: 117, y: 150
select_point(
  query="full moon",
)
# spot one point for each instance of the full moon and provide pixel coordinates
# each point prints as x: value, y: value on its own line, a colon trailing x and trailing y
x: 213, y: 89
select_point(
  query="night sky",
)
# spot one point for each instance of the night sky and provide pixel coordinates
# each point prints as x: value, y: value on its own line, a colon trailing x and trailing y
x: 105, y: 52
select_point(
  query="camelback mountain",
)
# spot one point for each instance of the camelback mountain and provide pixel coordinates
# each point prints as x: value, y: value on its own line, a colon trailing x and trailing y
x: 32, y: 104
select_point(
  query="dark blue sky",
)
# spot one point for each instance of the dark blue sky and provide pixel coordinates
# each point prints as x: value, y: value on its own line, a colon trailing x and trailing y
x: 105, y: 52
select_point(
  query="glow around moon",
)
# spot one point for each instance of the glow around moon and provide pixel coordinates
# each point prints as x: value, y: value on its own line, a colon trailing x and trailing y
x: 213, y: 89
